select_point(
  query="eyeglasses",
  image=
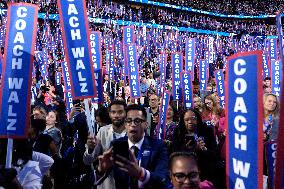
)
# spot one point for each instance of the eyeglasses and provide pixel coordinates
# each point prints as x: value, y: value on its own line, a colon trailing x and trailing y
x: 137, y: 121
x: 181, y: 177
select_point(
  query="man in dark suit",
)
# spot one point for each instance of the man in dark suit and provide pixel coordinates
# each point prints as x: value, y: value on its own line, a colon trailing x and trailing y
x: 147, y: 165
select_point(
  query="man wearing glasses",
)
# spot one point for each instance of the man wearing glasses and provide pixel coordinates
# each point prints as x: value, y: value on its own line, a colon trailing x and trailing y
x: 146, y: 166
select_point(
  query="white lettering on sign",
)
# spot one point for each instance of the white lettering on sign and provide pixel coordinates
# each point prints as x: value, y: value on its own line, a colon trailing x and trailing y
x: 240, y: 123
x: 78, y: 53
x: 15, y: 83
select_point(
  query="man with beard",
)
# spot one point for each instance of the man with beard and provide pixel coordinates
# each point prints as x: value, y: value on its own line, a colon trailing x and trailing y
x: 97, y: 145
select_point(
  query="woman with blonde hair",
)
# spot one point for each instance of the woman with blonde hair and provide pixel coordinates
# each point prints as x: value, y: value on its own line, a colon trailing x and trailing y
x: 271, y: 116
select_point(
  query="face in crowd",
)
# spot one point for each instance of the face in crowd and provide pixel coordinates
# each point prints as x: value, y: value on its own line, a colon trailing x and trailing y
x: 190, y: 121
x: 135, y: 124
x: 184, y: 173
x: 270, y: 103
x: 153, y: 101
x: 39, y: 113
x: 197, y: 104
x: 51, y: 118
x: 117, y: 115
x: 208, y: 104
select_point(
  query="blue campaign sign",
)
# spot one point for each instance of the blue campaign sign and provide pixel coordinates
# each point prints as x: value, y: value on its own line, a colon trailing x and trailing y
x: 190, y: 55
x: 128, y: 35
x: 163, y: 64
x: 187, y: 93
x: 75, y: 29
x: 95, y: 38
x: 203, y: 66
x: 244, y: 161
x: 132, y: 64
x: 58, y: 78
x: 176, y: 70
x: 66, y: 76
x: 163, y: 115
x: 276, y: 76
x: 111, y: 65
x: 265, y: 66
x: 270, y: 158
x: 273, y: 48
x: 219, y: 77
x: 17, y: 70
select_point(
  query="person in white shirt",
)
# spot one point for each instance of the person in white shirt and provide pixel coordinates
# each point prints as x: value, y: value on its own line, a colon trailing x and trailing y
x: 97, y: 145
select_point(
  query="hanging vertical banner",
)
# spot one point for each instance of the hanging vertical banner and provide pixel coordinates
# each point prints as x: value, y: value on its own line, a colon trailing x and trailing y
x: 95, y: 38
x: 187, y: 93
x: 276, y: 76
x: 128, y: 35
x: 57, y: 78
x: 15, y: 92
x: 273, y: 48
x: 219, y: 77
x: 75, y: 29
x: 280, y: 37
x: 244, y: 140
x: 211, y: 50
x: 265, y: 65
x: 190, y: 55
x: 162, y: 127
x: 176, y: 70
x: 203, y: 66
x: 162, y: 58
x: 111, y: 65
x: 279, y: 174
x: 134, y: 78
x: 67, y: 85
x: 270, y: 157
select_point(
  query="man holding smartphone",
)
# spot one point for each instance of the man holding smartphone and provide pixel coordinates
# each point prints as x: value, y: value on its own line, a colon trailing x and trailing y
x: 98, y: 145
x: 147, y: 165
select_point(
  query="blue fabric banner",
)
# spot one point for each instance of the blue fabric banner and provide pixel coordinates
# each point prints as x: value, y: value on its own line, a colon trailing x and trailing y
x: 203, y: 70
x: 244, y: 138
x: 111, y: 65
x: 190, y: 55
x: 219, y: 77
x: 95, y: 38
x: 67, y: 85
x: 162, y: 126
x: 279, y: 175
x: 276, y: 76
x: 128, y: 35
x: 265, y: 65
x: 187, y: 93
x: 273, y: 49
x: 75, y: 29
x: 132, y: 64
x: 162, y: 58
x: 15, y: 101
x: 270, y: 157
x: 58, y: 78
x: 176, y: 70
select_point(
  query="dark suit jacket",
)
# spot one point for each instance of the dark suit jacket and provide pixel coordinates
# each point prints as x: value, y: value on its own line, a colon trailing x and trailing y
x: 154, y: 159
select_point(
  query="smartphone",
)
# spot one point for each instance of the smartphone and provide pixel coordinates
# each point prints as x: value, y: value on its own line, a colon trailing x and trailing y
x: 191, y: 139
x: 120, y: 147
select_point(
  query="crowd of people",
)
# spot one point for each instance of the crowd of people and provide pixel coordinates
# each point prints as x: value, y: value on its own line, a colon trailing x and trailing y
x: 120, y: 147
x: 233, y: 7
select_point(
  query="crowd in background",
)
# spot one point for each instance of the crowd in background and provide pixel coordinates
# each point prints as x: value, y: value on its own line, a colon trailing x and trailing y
x: 64, y: 151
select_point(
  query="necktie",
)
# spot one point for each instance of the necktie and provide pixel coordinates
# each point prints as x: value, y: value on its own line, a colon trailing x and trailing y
x: 134, y: 181
x: 135, y: 150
